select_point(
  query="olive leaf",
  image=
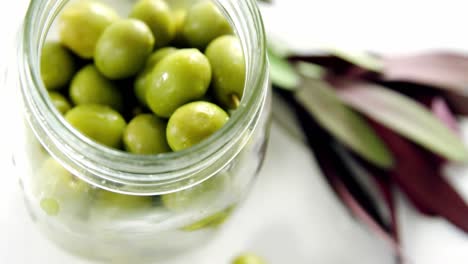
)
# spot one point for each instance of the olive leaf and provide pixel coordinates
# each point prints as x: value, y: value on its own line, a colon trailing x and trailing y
x: 441, y: 70
x: 335, y: 170
x: 421, y: 179
x: 404, y: 116
x: 310, y: 70
x: 458, y: 102
x: 282, y: 73
x: 361, y: 59
x: 441, y: 110
x: 343, y: 123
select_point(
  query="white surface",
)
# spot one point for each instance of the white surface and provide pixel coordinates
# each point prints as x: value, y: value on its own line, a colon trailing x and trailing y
x: 291, y: 216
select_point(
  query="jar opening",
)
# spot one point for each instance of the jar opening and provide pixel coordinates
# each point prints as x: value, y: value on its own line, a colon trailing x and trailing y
x: 141, y: 174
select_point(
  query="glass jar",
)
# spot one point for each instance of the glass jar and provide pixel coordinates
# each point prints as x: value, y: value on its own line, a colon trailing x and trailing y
x: 109, y: 205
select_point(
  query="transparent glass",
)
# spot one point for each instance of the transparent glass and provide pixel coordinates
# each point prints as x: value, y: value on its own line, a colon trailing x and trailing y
x: 109, y: 205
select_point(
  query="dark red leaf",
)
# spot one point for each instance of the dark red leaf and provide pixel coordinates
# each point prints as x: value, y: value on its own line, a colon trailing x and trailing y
x: 418, y: 83
x: 403, y: 115
x: 442, y: 111
x: 444, y: 70
x: 419, y: 177
x: 386, y: 189
x: 357, y: 209
x: 337, y: 174
x: 383, y: 189
x: 385, y: 186
x: 458, y: 102
x: 421, y: 93
x: 334, y: 64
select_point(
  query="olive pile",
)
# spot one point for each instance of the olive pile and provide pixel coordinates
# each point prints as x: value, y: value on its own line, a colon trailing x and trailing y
x: 160, y: 80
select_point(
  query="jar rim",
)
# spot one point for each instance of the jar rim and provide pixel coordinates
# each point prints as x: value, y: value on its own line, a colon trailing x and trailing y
x: 123, y: 172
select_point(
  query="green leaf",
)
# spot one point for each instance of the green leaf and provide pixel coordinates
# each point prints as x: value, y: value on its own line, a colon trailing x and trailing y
x: 405, y: 116
x: 310, y: 70
x: 359, y: 58
x: 282, y: 73
x: 343, y: 123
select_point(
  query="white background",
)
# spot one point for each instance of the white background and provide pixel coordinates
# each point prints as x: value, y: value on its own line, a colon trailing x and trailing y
x: 291, y: 216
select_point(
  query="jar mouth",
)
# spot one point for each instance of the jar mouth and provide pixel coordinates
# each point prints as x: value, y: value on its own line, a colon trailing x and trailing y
x: 131, y: 173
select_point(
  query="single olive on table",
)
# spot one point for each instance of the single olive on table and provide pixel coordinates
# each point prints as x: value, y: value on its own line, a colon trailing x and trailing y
x: 249, y: 258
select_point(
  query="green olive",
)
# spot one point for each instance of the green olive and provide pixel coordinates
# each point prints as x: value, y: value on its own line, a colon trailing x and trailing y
x: 59, y: 190
x: 204, y: 22
x: 146, y: 134
x: 212, y: 221
x: 60, y: 102
x: 141, y: 80
x: 106, y: 200
x: 123, y: 48
x: 50, y: 206
x: 179, y: 21
x: 248, y: 258
x: 158, y: 16
x: 197, y: 196
x: 158, y: 55
x: 98, y: 122
x: 193, y: 123
x: 180, y: 77
x: 82, y: 23
x: 227, y: 60
x: 89, y: 86
x: 57, y: 65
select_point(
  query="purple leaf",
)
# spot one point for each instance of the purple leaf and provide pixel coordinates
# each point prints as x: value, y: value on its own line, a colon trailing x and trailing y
x: 458, y: 102
x: 444, y: 70
x: 442, y: 111
x: 339, y: 177
x: 360, y: 212
x: 344, y: 62
x: 420, y: 179
x: 334, y: 64
x: 382, y: 187
x: 385, y: 187
x: 403, y: 115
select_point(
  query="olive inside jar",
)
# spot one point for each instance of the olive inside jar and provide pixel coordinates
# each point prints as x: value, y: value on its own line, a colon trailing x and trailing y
x: 101, y: 202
